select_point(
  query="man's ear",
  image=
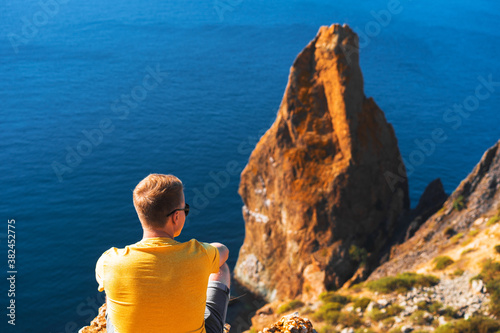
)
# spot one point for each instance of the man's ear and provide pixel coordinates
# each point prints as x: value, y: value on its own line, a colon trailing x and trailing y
x: 175, y: 217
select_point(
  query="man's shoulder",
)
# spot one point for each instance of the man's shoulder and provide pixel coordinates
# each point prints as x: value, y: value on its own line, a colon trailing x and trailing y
x: 198, y: 243
x: 115, y: 252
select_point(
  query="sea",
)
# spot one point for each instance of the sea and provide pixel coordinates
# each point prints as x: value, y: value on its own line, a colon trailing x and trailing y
x: 96, y: 95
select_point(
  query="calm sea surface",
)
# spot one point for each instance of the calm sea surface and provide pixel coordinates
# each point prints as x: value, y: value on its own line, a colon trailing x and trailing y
x: 95, y: 95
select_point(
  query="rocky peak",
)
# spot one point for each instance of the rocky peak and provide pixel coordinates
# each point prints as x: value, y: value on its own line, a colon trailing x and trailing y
x: 317, y: 204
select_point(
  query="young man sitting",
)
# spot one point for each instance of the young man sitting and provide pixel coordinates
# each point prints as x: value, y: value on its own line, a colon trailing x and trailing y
x: 159, y: 285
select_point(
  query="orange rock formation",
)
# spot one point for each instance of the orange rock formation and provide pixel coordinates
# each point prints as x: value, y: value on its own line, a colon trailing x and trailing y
x: 318, y: 206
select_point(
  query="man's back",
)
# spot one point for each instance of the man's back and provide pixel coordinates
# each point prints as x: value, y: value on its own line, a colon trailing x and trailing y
x: 157, y: 284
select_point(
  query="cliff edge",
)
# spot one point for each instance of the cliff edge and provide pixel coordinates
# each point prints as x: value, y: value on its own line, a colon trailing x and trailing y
x: 469, y: 207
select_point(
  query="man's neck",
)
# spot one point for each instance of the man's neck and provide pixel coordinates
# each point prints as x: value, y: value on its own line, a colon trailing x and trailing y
x: 151, y: 233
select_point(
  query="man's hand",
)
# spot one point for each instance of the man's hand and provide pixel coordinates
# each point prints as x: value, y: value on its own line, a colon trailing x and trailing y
x: 223, y: 252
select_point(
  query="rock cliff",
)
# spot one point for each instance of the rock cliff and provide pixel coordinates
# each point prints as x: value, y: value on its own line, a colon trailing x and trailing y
x: 468, y: 207
x: 318, y: 203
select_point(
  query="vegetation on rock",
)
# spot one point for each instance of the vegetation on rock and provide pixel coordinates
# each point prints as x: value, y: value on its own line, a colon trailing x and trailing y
x: 495, y: 218
x: 402, y: 282
x: 475, y: 324
x: 442, y: 262
x: 490, y: 274
x: 459, y: 203
x: 292, y: 305
x: 359, y: 255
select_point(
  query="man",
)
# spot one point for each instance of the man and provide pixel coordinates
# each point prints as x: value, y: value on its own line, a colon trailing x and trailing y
x: 159, y: 285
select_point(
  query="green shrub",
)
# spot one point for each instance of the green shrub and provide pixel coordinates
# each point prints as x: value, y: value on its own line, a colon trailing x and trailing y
x: 377, y: 315
x: 394, y: 310
x: 448, y: 312
x: 467, y: 241
x: 442, y: 262
x: 435, y: 307
x: 361, y: 303
x: 333, y: 297
x: 473, y: 325
x: 388, y: 322
x: 423, y: 305
x: 466, y: 251
x: 402, y: 282
x: 473, y: 233
x: 292, y: 305
x: 327, y: 329
x: 497, y: 248
x: 493, y: 288
x: 391, y: 311
x: 455, y: 239
x: 493, y: 220
x: 358, y: 254
x: 358, y: 287
x: 331, y: 316
x: 490, y: 274
x: 327, y: 315
x: 418, y: 318
x: 349, y: 319
x: 490, y: 271
x: 458, y: 272
x: 459, y: 203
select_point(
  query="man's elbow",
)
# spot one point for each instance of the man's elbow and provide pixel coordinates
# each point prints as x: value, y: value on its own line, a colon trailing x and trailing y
x: 224, y: 254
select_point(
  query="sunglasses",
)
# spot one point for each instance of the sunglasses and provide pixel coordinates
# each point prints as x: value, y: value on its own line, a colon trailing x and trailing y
x: 185, y: 209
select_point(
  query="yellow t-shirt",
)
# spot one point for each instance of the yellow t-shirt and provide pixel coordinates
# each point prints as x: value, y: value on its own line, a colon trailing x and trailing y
x: 157, y: 285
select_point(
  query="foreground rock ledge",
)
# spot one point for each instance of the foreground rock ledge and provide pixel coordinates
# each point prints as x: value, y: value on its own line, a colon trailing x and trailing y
x: 325, y: 185
x: 288, y: 324
x: 98, y: 325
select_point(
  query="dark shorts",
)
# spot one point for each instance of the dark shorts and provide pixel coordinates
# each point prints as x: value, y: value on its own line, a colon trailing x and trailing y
x: 215, y: 310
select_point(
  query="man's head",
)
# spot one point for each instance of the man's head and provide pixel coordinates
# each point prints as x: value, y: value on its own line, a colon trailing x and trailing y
x: 155, y: 197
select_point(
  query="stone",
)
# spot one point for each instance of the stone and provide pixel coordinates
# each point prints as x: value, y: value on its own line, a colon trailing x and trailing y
x: 371, y: 306
x: 290, y: 324
x: 383, y: 303
x: 478, y: 286
x: 480, y: 221
x: 347, y: 330
x: 325, y: 183
x: 428, y: 317
x: 406, y: 329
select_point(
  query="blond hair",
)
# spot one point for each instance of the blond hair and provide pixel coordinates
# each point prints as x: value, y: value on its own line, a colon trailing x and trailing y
x: 155, y: 197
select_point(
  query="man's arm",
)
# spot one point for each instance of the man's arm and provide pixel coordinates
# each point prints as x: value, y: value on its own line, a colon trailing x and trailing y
x: 223, y: 252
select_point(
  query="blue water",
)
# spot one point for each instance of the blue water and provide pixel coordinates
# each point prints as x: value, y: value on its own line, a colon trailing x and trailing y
x: 223, y: 70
